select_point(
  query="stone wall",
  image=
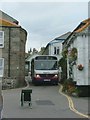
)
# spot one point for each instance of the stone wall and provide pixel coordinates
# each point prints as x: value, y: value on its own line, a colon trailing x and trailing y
x: 9, y: 83
x: 14, y: 54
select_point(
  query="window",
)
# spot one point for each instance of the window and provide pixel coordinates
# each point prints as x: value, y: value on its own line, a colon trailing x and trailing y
x: 56, y: 50
x: 1, y: 39
x: 1, y: 66
x: 46, y: 57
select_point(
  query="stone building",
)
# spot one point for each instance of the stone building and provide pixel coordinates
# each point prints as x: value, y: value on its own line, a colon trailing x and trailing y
x: 13, y: 51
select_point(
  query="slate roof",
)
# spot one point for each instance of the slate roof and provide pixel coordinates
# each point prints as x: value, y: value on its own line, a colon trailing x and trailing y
x: 60, y: 38
x: 63, y: 37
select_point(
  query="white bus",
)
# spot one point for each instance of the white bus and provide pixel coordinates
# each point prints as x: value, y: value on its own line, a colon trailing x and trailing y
x: 44, y: 68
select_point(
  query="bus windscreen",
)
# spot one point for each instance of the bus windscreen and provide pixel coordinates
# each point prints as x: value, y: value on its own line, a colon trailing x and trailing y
x: 46, y: 65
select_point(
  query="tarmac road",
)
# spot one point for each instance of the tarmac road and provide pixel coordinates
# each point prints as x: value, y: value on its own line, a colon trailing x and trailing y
x: 47, y: 102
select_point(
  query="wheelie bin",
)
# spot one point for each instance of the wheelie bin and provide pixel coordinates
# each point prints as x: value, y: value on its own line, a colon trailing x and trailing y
x: 26, y: 96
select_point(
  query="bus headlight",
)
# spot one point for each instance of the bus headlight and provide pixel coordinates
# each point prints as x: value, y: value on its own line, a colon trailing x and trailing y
x: 38, y: 76
x: 56, y: 75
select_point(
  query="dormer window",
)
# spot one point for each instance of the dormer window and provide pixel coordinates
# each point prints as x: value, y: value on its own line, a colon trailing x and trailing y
x: 56, y: 50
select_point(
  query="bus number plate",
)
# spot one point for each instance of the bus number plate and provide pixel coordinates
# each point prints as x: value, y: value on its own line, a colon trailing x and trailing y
x: 46, y: 79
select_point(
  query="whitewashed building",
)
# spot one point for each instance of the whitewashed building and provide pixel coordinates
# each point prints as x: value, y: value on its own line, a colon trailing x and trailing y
x: 80, y: 39
x: 54, y: 47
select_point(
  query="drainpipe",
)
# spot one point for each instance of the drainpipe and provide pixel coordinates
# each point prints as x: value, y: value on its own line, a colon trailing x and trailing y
x: 9, y: 52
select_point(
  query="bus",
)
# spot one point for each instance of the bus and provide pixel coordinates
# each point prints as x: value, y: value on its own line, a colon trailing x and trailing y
x: 44, y: 69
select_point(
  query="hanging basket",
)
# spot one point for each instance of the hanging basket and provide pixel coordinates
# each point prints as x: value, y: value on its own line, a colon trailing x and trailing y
x: 80, y: 67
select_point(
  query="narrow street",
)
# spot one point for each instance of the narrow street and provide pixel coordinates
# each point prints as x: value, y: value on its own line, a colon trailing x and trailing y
x: 48, y: 42
x: 47, y: 102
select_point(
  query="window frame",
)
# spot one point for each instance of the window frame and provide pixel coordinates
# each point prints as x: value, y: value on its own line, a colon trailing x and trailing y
x: 1, y: 39
x: 2, y: 67
x: 56, y: 50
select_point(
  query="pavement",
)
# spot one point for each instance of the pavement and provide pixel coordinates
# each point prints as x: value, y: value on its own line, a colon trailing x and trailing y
x: 79, y: 105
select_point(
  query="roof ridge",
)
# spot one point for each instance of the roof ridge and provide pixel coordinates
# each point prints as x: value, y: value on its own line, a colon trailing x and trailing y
x: 7, y: 23
x: 84, y: 26
x: 87, y: 20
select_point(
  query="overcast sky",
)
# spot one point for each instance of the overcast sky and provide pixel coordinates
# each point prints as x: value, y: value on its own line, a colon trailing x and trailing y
x: 45, y: 21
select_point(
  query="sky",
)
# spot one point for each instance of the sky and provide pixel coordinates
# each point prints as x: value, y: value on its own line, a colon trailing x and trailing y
x: 44, y: 21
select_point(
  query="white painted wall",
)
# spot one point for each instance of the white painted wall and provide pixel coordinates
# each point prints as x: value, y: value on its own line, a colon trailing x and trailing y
x: 83, y: 59
x: 81, y: 43
x: 51, y: 49
x: 89, y: 60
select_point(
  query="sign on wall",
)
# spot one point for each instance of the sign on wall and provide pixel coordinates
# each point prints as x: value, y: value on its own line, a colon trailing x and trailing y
x: 1, y: 39
x: 1, y: 67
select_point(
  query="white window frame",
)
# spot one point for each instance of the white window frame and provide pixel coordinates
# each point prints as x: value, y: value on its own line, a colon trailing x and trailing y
x: 1, y: 39
x: 56, y: 50
x: 1, y: 67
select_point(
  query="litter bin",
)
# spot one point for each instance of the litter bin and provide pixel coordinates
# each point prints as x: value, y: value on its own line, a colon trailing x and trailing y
x: 26, y: 96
